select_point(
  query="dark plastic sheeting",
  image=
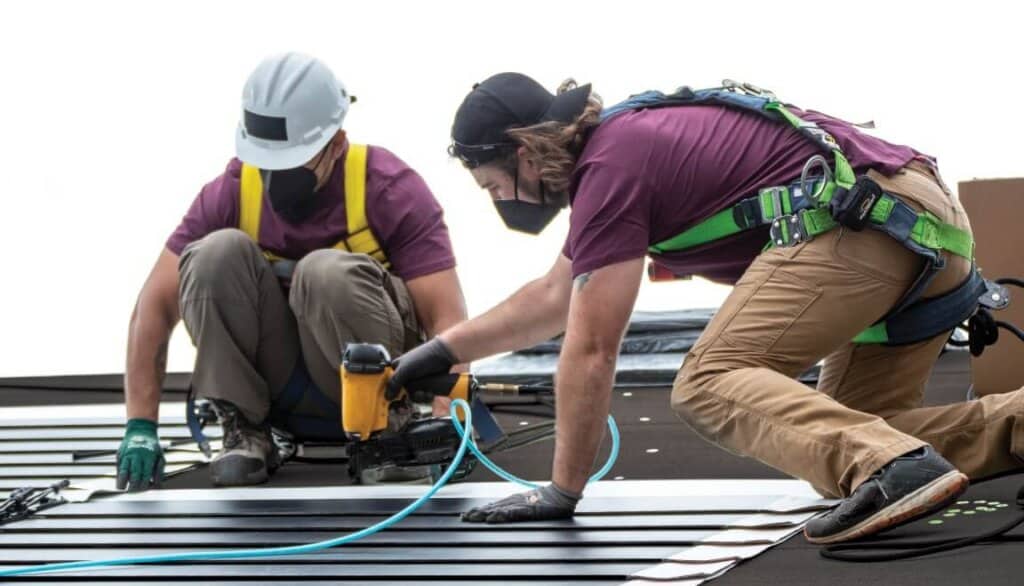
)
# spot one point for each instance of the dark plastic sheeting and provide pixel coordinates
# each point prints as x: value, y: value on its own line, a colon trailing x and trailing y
x: 114, y: 432
x: 324, y: 523
x: 703, y: 504
x: 426, y: 553
x: 468, y: 536
x: 198, y: 571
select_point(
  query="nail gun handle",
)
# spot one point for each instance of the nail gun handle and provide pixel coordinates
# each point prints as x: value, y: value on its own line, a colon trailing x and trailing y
x: 455, y: 385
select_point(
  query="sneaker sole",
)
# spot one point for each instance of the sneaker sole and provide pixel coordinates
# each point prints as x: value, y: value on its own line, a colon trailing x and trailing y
x: 922, y: 502
x: 231, y: 471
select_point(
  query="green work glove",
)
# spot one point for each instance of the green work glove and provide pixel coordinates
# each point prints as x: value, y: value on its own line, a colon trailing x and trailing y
x: 540, y: 504
x: 140, y: 461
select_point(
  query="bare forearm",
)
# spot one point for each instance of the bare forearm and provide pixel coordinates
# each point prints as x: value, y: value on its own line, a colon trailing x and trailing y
x: 586, y: 367
x: 445, y: 318
x: 582, y: 402
x: 532, y: 314
x: 442, y: 323
x: 148, y: 340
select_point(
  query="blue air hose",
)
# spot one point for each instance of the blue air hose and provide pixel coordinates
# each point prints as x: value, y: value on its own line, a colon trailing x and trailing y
x: 467, y: 443
x: 612, y: 456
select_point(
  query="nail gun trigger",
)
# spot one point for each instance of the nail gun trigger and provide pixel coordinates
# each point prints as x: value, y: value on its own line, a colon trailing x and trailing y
x: 421, y: 397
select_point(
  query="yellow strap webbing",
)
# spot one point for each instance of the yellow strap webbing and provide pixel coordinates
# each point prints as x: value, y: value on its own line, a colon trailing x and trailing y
x: 250, y: 202
x: 360, y: 239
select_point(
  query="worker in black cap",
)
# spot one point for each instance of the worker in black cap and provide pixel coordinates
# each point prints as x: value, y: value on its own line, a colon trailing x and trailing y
x: 702, y: 189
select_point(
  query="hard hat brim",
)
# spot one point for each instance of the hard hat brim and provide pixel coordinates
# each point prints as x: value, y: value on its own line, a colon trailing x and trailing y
x: 278, y: 159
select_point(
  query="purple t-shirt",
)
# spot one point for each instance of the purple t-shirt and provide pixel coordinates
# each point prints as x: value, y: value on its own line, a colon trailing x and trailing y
x: 645, y: 176
x: 402, y: 212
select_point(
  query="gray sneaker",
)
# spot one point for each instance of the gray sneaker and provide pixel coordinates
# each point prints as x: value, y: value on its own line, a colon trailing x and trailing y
x: 909, y: 487
x: 248, y: 456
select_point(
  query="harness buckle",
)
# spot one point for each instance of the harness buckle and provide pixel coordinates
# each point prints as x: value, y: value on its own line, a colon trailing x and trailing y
x: 775, y: 194
x: 747, y: 213
x: 284, y: 268
x: 787, y: 231
x: 995, y: 297
x: 748, y: 88
x: 820, y: 135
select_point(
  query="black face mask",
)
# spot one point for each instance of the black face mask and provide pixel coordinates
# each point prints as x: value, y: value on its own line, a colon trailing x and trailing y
x: 293, y: 192
x: 524, y: 216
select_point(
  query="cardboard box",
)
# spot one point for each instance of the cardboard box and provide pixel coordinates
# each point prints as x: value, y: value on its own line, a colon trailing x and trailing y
x: 996, y: 211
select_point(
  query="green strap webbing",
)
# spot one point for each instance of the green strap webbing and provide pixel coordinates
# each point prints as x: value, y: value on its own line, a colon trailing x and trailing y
x: 724, y: 223
x: 844, y: 175
x: 876, y: 334
x: 929, y: 231
x: 717, y: 226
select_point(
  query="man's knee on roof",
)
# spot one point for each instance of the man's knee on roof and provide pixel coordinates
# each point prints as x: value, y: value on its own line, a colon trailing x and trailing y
x: 340, y: 279
x: 692, y: 403
x: 212, y: 258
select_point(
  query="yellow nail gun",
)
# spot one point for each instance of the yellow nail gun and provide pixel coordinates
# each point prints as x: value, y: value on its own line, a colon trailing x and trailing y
x: 398, y: 433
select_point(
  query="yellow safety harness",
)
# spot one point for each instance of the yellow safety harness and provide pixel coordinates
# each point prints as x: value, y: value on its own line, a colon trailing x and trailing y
x: 360, y: 238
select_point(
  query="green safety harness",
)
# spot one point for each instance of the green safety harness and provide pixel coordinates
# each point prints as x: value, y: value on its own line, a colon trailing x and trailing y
x: 825, y: 197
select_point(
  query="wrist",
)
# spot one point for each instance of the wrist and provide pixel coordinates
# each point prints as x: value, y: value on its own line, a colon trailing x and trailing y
x: 445, y: 349
x: 140, y: 425
x: 567, y: 498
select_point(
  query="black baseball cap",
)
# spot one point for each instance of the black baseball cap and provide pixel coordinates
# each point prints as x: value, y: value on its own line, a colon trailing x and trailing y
x: 504, y: 101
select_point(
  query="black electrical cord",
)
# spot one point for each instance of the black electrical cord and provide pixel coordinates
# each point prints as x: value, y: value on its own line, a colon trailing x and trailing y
x: 914, y: 549
x: 522, y: 410
x: 1010, y: 281
x: 867, y: 552
x: 318, y: 460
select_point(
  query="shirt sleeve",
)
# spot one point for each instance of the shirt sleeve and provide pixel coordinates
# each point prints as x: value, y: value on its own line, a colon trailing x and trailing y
x: 610, y: 220
x: 215, y: 208
x: 406, y: 218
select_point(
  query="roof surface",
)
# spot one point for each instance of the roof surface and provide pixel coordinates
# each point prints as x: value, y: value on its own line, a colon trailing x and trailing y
x: 616, y: 538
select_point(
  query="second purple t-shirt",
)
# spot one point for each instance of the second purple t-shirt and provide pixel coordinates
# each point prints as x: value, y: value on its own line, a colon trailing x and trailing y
x: 402, y: 212
x: 645, y: 176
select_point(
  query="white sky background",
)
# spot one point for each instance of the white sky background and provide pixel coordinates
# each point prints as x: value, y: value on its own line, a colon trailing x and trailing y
x: 115, y: 114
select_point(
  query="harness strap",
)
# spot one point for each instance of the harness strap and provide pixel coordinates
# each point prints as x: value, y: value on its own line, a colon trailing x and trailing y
x: 923, y: 233
x: 195, y: 426
x: 928, y: 318
x: 360, y: 237
x: 769, y: 204
x: 300, y: 385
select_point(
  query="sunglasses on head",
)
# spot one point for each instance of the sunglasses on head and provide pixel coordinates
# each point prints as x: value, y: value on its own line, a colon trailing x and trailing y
x: 474, y: 155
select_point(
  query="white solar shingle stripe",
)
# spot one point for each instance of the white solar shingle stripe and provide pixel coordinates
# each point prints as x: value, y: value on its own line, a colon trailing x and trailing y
x: 790, y: 495
x: 715, y: 553
x: 676, y: 572
x: 105, y: 414
x: 83, y: 444
x: 781, y: 503
x: 722, y: 551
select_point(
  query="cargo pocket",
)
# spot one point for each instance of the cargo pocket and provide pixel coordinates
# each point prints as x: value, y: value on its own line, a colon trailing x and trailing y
x: 748, y: 284
x: 770, y: 312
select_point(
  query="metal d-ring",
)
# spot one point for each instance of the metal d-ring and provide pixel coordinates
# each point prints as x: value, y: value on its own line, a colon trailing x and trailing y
x: 826, y: 174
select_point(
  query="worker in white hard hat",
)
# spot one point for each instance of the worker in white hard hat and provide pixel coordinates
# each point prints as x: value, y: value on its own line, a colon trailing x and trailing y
x: 305, y: 242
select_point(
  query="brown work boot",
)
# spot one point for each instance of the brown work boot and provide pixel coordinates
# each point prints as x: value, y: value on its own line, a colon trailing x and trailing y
x: 248, y: 455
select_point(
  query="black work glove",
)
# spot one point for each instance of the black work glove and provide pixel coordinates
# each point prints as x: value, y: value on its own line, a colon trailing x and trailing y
x: 140, y: 460
x: 425, y: 360
x: 540, y: 504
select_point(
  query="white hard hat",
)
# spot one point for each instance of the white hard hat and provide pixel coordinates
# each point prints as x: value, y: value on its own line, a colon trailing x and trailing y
x: 292, y: 106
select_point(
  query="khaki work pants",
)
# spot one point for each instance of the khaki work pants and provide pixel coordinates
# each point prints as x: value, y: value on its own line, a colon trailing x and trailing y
x: 795, y: 306
x: 250, y: 333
